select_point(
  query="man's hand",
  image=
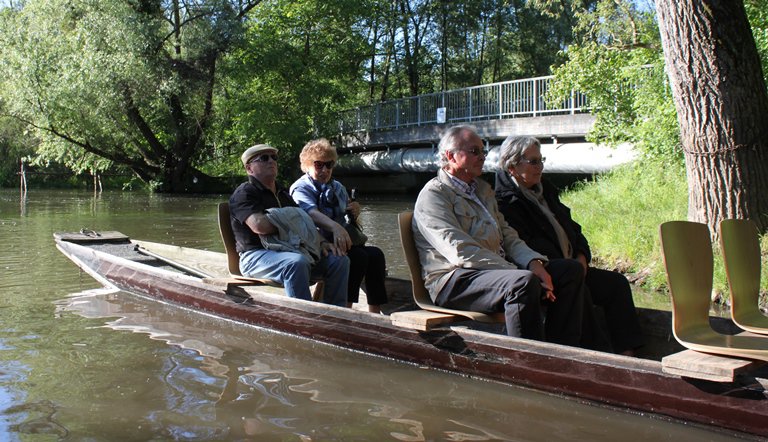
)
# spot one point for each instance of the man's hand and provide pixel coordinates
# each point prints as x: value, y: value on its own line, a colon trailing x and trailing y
x: 537, y: 267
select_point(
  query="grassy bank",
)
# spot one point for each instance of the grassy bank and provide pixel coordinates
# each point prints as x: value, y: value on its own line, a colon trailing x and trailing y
x: 620, y: 213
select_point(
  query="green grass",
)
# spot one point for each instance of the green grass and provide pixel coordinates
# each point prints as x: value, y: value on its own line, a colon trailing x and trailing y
x: 620, y: 213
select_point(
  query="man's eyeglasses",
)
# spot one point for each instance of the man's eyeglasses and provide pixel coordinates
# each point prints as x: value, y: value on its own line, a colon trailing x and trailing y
x: 476, y: 151
x: 263, y: 158
x: 327, y: 164
x: 534, y: 161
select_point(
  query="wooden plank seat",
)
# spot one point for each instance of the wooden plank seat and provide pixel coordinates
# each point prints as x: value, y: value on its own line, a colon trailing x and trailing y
x: 740, y: 245
x: 431, y: 314
x: 233, y: 260
x: 687, y: 252
x: 697, y: 365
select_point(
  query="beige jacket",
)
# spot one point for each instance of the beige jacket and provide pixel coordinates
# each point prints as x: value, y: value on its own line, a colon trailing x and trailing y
x: 452, y: 231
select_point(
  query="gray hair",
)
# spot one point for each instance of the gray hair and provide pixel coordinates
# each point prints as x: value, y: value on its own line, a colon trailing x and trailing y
x: 513, y: 148
x: 451, y: 142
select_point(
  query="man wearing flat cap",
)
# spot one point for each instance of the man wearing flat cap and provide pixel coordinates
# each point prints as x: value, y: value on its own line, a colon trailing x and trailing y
x: 274, y: 241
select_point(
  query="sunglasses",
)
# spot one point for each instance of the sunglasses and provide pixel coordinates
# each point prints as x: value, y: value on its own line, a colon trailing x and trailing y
x: 534, y: 161
x: 263, y: 158
x: 320, y: 164
x: 476, y: 151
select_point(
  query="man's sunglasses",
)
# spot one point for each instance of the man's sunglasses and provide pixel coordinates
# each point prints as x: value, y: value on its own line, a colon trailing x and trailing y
x: 327, y: 164
x: 263, y: 158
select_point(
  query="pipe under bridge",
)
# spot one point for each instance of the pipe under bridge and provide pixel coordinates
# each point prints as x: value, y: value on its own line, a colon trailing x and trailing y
x: 393, y: 143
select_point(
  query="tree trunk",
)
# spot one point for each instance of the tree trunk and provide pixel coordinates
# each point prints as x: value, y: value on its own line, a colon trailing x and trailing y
x: 722, y: 108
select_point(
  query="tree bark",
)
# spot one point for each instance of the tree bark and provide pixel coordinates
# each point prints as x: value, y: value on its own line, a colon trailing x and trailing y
x: 722, y: 108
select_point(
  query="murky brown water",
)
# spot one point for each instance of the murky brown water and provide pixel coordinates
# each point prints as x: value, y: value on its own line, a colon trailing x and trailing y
x: 78, y: 363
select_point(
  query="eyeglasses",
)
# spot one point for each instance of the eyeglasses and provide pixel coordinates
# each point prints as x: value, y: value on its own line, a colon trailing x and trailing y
x: 263, y: 158
x: 327, y: 164
x: 534, y: 161
x: 476, y: 151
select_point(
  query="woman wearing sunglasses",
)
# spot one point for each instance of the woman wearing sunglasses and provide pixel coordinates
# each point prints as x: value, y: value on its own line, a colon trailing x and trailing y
x: 532, y: 206
x: 327, y: 202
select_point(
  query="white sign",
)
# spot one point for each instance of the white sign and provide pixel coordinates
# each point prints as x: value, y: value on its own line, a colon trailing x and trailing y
x: 440, y: 115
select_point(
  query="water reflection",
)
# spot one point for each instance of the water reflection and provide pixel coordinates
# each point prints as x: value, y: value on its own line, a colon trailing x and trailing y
x: 217, y: 380
x: 113, y: 366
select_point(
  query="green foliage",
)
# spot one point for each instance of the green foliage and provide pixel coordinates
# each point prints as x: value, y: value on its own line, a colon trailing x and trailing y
x: 621, y: 211
x: 620, y: 67
x: 294, y: 73
x: 757, y: 11
x: 124, y: 83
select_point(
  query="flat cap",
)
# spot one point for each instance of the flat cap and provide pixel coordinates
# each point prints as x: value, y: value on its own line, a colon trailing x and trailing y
x: 255, y: 150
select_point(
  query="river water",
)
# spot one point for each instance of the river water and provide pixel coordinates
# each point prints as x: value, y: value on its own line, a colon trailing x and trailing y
x: 79, y: 363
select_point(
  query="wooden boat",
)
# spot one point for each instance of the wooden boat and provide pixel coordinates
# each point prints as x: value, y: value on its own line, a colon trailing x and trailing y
x: 719, y: 393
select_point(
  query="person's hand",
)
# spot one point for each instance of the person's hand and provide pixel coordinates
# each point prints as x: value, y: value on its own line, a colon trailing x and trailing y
x: 341, y: 240
x: 583, y: 261
x: 537, y: 267
x: 327, y: 248
x: 354, y: 207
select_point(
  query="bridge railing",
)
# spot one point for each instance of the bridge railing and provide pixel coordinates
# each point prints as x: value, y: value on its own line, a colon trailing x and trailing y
x: 508, y: 99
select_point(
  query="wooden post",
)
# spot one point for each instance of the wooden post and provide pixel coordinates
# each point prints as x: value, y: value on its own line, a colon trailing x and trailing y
x: 22, y: 178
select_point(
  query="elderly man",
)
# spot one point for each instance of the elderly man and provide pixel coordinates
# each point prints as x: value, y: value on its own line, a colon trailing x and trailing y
x: 279, y: 244
x: 473, y: 260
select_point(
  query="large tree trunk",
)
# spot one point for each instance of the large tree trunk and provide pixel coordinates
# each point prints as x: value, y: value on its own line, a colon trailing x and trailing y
x: 722, y: 108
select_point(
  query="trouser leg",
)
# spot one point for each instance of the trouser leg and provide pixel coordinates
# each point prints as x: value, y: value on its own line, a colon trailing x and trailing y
x: 290, y: 269
x: 564, y: 317
x: 335, y: 272
x: 515, y: 292
x: 612, y: 292
x: 375, y: 274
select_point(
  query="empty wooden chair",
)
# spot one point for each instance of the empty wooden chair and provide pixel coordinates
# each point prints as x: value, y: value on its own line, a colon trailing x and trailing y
x: 420, y: 293
x: 687, y: 252
x: 740, y: 244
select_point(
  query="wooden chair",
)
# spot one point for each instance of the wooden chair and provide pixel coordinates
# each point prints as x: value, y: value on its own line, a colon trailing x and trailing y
x: 233, y: 258
x: 420, y: 293
x: 687, y: 252
x: 740, y: 244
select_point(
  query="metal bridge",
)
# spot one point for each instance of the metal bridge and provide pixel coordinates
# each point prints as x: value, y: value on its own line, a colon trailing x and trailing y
x: 508, y: 99
x: 396, y: 140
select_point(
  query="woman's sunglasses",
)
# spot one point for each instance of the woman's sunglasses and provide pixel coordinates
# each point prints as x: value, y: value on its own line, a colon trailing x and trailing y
x: 320, y: 164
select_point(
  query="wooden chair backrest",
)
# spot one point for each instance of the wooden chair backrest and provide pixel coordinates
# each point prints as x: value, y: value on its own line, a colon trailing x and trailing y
x: 420, y: 293
x: 687, y: 252
x: 740, y: 244
x: 228, y: 237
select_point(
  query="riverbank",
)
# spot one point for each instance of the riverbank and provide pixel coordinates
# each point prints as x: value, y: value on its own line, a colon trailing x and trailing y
x: 620, y: 213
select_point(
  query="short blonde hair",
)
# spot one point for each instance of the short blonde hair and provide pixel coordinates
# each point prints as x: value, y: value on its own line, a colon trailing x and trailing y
x: 319, y: 149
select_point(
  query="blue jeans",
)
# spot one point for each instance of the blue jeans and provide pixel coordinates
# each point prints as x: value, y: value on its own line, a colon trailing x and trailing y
x: 294, y: 272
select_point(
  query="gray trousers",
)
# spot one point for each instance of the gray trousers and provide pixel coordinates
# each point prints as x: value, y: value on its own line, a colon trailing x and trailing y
x: 518, y: 294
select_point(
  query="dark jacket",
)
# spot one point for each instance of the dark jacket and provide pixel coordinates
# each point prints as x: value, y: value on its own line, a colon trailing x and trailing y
x: 249, y: 198
x: 530, y: 222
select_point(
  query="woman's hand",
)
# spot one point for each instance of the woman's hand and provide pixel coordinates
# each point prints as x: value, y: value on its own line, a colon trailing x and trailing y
x: 354, y: 208
x: 341, y: 240
x: 583, y: 261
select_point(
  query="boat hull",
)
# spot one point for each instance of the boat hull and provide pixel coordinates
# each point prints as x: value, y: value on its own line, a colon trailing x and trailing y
x: 617, y: 381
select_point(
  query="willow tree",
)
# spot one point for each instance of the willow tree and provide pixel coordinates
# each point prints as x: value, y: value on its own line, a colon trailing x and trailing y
x: 722, y: 106
x: 131, y: 82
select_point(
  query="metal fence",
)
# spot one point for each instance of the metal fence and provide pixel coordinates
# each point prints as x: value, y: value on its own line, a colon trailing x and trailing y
x: 508, y: 99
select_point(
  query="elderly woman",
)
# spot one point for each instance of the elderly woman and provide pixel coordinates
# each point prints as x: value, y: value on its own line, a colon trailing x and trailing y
x: 532, y: 206
x: 326, y: 201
